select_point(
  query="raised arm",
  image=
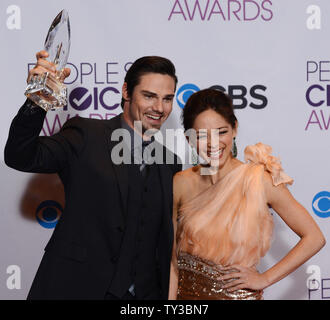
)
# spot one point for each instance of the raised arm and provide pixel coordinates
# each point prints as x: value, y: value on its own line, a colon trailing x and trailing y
x: 25, y: 150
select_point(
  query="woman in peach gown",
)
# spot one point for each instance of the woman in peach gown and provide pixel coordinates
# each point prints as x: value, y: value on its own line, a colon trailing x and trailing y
x: 221, y: 212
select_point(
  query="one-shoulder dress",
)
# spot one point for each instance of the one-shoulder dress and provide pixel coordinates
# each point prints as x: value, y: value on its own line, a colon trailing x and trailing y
x: 228, y: 223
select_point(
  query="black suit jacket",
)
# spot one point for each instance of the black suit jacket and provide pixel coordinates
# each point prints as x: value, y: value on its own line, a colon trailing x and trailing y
x: 80, y: 258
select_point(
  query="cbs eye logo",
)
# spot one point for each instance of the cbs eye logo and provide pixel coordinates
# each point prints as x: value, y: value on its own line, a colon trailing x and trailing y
x: 184, y: 93
x: 48, y: 213
x: 321, y: 204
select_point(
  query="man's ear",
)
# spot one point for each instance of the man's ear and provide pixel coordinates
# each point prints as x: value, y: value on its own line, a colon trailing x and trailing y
x: 124, y: 92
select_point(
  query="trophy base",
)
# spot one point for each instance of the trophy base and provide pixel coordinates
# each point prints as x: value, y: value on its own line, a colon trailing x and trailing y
x: 47, y: 91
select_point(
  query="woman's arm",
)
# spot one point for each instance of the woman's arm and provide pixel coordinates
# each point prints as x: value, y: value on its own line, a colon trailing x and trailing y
x: 301, y: 222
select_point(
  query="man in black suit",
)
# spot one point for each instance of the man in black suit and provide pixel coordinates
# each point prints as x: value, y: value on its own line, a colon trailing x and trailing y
x: 114, y: 238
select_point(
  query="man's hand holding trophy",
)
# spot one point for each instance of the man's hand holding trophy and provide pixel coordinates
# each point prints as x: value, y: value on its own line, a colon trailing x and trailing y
x: 45, y: 81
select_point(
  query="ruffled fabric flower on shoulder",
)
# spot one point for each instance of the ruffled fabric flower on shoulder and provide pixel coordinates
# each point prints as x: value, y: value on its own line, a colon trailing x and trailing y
x: 261, y: 154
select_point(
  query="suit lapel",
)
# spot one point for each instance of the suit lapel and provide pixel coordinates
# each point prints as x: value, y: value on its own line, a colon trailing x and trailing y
x: 166, y: 182
x: 121, y: 170
x: 164, y: 175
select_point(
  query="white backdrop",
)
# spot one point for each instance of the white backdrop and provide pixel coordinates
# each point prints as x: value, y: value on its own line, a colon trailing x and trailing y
x: 272, y: 56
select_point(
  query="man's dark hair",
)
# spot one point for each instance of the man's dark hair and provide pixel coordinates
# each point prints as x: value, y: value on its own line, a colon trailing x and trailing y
x: 144, y: 65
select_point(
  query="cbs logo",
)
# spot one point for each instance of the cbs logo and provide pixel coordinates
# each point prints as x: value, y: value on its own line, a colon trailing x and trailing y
x: 239, y: 94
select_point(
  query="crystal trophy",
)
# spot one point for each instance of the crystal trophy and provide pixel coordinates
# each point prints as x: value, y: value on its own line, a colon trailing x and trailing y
x: 48, y: 91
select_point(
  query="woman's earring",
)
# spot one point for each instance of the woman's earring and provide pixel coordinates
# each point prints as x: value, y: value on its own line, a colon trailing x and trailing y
x: 234, y: 148
x: 194, y: 157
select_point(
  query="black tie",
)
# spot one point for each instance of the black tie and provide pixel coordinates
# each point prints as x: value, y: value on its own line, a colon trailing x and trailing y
x: 144, y: 166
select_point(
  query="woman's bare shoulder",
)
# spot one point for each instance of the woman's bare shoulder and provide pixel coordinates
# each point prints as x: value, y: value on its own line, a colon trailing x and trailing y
x: 185, y: 175
x: 183, y: 183
x: 184, y: 180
